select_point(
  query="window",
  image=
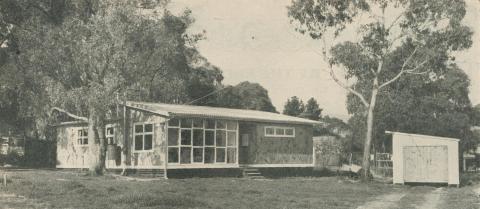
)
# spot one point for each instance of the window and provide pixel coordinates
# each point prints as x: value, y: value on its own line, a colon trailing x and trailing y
x: 143, y: 136
x: 110, y: 134
x: 82, y: 138
x: 202, y: 141
x: 279, y: 131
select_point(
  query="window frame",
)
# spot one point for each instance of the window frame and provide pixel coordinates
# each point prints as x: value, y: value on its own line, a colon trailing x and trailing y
x: 82, y: 137
x: 204, y: 128
x: 107, y: 135
x: 279, y: 135
x: 143, y: 133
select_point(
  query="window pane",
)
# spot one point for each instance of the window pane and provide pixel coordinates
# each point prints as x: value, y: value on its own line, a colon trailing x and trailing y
x: 232, y: 138
x: 197, y: 123
x: 198, y: 137
x: 289, y: 131
x: 172, y: 136
x: 139, y: 142
x: 110, y: 140
x: 220, y: 155
x: 232, y: 125
x: 231, y: 155
x: 148, y: 127
x: 173, y: 155
x: 186, y: 123
x: 210, y: 124
x: 110, y: 131
x: 221, y: 138
x: 221, y: 124
x: 279, y: 131
x: 186, y: 137
x: 185, y: 155
x: 269, y: 131
x: 209, y: 138
x: 148, y: 142
x: 197, y: 155
x: 80, y: 141
x: 85, y: 140
x: 173, y: 122
x: 209, y: 155
x: 138, y: 128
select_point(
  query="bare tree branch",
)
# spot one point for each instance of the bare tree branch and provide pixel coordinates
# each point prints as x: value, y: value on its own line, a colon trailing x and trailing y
x: 402, y: 71
x: 332, y: 74
x: 70, y: 114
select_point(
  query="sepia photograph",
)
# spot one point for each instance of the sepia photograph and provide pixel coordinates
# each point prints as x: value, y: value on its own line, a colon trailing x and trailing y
x: 240, y: 104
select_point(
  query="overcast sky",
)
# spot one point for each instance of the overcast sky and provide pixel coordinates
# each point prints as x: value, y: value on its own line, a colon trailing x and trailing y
x: 252, y: 40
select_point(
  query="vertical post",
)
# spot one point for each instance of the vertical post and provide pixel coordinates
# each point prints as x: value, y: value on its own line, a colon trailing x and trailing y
x: 165, y: 169
x: 125, y: 137
x: 5, y: 180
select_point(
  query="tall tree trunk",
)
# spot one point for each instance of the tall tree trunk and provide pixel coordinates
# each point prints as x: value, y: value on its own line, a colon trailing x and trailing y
x: 96, y: 140
x: 369, y: 134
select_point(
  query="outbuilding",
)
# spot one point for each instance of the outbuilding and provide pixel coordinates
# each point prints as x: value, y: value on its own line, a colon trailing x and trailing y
x: 424, y: 159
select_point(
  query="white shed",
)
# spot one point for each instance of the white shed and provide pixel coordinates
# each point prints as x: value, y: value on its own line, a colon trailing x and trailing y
x: 424, y: 159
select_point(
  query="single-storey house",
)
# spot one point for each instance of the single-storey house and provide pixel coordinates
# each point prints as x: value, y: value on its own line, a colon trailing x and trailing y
x: 168, y: 136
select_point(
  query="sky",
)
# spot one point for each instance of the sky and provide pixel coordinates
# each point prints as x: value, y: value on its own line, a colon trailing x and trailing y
x: 253, y: 40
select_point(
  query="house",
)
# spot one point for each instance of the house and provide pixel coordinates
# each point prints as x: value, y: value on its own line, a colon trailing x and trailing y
x: 424, y: 159
x: 166, y: 137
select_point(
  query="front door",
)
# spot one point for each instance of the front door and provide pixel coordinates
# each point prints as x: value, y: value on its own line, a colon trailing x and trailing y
x: 246, y: 133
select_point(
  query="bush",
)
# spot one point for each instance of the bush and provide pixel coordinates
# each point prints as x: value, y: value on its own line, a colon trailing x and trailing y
x: 12, y: 158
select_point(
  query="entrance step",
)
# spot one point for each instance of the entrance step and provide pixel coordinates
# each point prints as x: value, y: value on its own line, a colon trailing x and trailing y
x: 252, y: 173
x: 149, y: 173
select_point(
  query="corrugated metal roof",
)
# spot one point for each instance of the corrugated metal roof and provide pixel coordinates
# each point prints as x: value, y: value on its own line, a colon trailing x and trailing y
x: 174, y: 110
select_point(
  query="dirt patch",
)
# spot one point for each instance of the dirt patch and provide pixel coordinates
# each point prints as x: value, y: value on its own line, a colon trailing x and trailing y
x: 383, y: 201
x: 432, y: 199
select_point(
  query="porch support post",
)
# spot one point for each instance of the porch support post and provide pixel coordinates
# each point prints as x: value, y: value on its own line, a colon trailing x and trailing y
x: 165, y: 168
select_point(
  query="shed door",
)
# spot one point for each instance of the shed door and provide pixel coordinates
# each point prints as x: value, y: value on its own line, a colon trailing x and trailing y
x: 425, y: 164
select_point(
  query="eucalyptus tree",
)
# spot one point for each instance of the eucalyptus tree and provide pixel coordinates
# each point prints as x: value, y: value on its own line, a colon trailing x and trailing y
x: 393, y: 39
x: 80, y: 64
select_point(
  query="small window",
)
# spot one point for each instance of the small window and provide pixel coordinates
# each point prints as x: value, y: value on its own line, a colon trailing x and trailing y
x: 197, y: 155
x: 232, y: 125
x: 82, y: 137
x: 197, y: 123
x: 197, y: 137
x: 209, y: 155
x: 232, y: 138
x: 186, y: 137
x: 143, y: 140
x: 186, y: 123
x: 221, y: 124
x: 209, y: 124
x: 280, y: 131
x: 185, y: 155
x: 173, y: 155
x: 110, y: 134
x: 221, y: 138
x: 172, y: 136
x: 220, y: 155
x: 209, y: 138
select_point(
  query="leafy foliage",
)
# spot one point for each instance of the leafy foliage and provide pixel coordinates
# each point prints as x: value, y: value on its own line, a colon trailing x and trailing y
x: 312, y: 110
x: 245, y: 95
x: 294, y: 106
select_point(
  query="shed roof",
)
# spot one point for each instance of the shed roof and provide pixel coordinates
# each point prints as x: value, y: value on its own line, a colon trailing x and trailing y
x: 174, y: 110
x: 422, y: 136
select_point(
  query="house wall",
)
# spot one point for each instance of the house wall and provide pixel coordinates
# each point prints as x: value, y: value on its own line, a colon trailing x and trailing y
x: 72, y: 155
x: 400, y: 141
x: 154, y: 158
x: 69, y: 153
x: 278, y: 150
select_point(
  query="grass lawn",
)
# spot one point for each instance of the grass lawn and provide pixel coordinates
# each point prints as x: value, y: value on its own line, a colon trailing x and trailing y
x: 55, y: 189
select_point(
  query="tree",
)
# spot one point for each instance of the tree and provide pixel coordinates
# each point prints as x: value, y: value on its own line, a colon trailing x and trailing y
x: 76, y: 67
x: 406, y: 43
x: 293, y: 107
x: 245, y: 95
x: 312, y: 110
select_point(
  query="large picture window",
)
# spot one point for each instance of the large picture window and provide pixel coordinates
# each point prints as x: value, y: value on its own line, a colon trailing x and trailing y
x: 202, y: 141
x: 272, y: 131
x: 143, y: 137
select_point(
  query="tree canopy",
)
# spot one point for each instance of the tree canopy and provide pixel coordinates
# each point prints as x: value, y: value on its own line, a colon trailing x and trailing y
x: 394, y: 39
x: 245, y: 95
x: 294, y: 106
